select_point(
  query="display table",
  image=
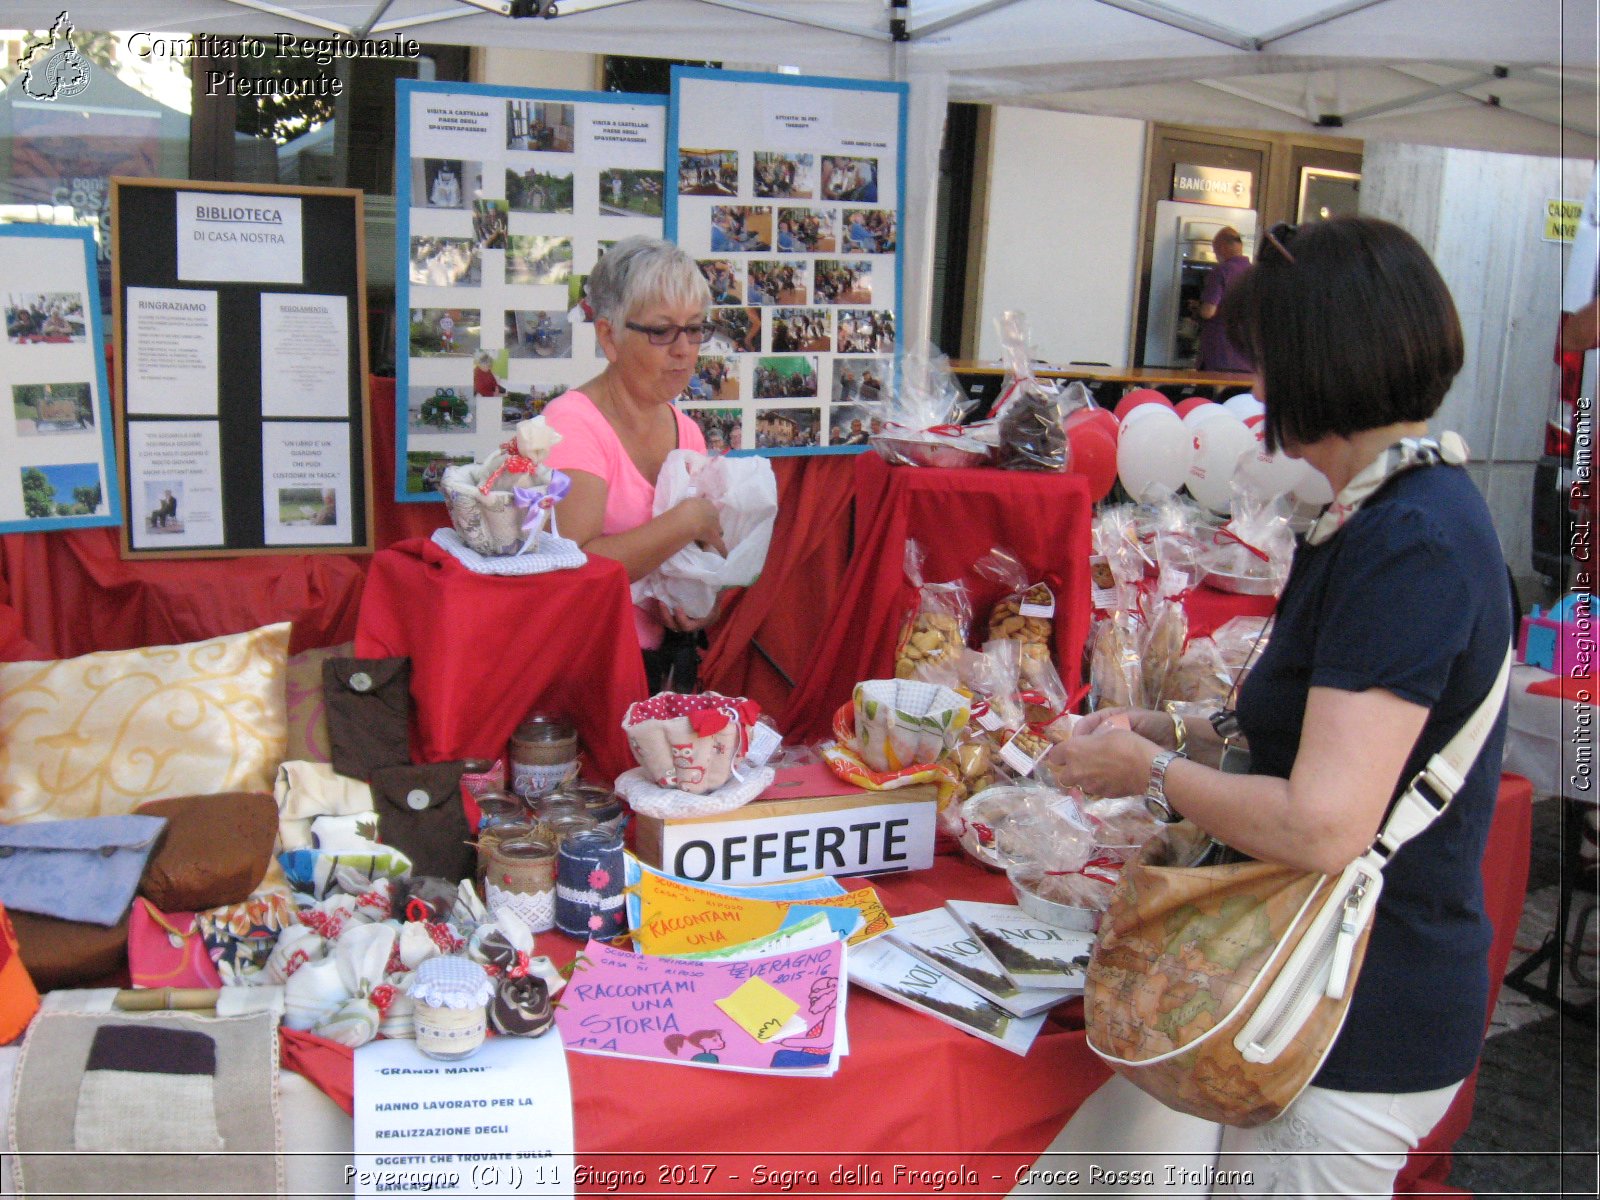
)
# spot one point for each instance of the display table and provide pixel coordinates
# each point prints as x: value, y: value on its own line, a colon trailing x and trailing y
x: 488, y: 650
x: 912, y: 1093
x: 957, y: 516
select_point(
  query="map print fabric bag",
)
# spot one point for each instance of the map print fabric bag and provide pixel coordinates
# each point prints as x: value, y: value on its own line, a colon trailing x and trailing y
x: 1219, y: 990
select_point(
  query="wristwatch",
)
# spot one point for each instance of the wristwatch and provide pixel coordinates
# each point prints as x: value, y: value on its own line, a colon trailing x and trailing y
x: 1155, y: 796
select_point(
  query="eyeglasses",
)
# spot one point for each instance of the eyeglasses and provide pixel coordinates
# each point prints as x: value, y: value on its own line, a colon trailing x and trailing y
x: 1279, y: 237
x: 665, y: 335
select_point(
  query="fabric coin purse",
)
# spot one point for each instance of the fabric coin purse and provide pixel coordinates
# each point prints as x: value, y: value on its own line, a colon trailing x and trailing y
x: 420, y: 814
x: 690, y: 742
x: 166, y: 950
x: 369, y: 713
x: 79, y: 870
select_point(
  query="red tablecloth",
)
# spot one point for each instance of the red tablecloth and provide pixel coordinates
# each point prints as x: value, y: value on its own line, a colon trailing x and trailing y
x: 487, y: 650
x: 1209, y: 609
x: 957, y: 516
x: 912, y: 1091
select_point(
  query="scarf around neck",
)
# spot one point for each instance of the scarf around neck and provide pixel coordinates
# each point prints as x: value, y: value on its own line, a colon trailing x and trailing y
x: 1403, y: 455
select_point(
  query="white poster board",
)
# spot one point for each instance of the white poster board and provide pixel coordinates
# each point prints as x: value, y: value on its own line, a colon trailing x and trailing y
x: 788, y: 190
x: 506, y: 197
x: 58, y: 467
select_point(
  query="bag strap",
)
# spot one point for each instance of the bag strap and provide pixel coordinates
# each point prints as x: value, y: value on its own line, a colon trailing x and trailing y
x: 1433, y: 788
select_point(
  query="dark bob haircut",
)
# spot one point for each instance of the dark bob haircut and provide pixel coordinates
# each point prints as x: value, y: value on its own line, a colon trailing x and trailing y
x: 1350, y: 327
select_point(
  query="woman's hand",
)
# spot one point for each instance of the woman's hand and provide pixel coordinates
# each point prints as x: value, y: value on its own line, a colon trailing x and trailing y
x: 676, y: 618
x: 1106, y: 760
x: 704, y: 525
x: 1155, y: 726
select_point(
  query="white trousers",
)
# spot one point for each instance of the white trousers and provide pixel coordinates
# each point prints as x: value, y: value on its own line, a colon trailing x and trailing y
x: 1330, y: 1143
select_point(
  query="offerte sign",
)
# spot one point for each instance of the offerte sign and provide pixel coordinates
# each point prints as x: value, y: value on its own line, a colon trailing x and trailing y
x: 1211, y: 185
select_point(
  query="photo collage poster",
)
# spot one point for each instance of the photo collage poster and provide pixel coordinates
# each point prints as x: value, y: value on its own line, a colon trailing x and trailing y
x: 57, y: 458
x: 788, y: 191
x: 506, y: 199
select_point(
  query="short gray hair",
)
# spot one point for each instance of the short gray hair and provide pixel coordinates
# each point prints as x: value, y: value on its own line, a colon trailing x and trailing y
x: 641, y: 270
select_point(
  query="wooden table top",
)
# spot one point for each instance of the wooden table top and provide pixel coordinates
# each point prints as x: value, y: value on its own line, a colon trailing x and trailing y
x: 1143, y: 376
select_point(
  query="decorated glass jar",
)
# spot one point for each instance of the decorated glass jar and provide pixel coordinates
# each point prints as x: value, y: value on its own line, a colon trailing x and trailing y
x: 451, y: 996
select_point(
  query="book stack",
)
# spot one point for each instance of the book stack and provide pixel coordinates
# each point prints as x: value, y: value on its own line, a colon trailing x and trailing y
x: 990, y: 970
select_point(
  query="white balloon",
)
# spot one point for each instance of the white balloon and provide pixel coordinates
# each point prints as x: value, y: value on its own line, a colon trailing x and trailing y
x: 1313, y: 486
x: 1155, y: 450
x: 1201, y: 413
x: 1244, y: 405
x: 1269, y: 474
x: 1219, y: 444
x: 1145, y: 411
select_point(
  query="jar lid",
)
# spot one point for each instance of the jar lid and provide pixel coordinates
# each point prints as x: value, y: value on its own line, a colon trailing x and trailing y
x: 528, y: 845
x: 568, y: 825
x: 540, y: 728
x: 592, y: 840
x: 448, y: 981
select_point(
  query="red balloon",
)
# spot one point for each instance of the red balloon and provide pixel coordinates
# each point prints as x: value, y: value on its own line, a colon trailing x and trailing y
x: 1094, y: 455
x: 1095, y: 416
x: 1137, y: 397
x: 1185, y: 407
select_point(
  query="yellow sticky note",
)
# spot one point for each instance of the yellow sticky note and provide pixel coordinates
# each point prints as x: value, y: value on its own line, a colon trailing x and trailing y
x: 759, y: 1009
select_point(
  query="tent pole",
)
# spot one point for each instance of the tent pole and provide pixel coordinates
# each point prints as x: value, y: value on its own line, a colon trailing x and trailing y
x: 289, y: 14
x: 1162, y: 15
x: 1312, y: 20
x: 366, y: 26
x: 1443, y: 89
x: 959, y: 18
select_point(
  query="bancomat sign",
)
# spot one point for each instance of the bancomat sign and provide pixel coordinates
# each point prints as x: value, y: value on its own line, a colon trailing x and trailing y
x: 1211, y: 185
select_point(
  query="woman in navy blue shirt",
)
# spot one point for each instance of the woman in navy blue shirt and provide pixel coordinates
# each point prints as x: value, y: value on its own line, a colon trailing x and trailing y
x: 1390, y: 631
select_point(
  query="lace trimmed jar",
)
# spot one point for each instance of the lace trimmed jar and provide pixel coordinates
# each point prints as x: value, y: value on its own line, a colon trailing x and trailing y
x: 451, y: 996
x: 521, y: 876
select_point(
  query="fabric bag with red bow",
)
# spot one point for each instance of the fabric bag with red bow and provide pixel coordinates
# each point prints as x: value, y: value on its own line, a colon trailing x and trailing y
x: 690, y: 743
x: 165, y: 950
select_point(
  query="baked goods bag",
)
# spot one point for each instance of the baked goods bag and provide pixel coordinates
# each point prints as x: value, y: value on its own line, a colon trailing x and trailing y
x: 935, y: 629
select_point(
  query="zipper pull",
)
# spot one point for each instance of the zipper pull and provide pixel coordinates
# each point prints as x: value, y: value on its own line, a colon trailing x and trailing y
x: 1344, y: 943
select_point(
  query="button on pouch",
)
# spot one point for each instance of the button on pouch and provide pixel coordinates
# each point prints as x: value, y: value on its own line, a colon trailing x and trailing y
x: 420, y: 814
x: 369, y: 709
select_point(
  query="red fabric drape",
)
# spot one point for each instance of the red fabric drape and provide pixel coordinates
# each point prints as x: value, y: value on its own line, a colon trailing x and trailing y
x: 486, y: 650
x: 798, y: 586
x: 957, y: 516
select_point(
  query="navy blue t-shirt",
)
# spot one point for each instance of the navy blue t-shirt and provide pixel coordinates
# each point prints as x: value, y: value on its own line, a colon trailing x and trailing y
x: 1411, y: 596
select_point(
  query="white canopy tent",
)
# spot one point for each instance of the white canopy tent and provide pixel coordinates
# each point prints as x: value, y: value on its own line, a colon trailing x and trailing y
x: 1510, y: 75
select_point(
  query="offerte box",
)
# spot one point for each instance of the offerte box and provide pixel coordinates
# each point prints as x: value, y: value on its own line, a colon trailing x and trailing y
x: 806, y: 823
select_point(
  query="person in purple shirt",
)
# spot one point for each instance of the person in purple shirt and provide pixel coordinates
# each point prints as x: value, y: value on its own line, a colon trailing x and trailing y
x: 1216, y: 352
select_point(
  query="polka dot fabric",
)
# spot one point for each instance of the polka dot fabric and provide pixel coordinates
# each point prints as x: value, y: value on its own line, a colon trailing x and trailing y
x: 666, y: 705
x: 690, y: 742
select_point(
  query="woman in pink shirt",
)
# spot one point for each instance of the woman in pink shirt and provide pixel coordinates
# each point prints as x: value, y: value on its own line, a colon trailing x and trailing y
x: 650, y: 304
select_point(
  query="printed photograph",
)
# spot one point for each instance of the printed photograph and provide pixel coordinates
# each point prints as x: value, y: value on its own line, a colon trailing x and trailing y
x: 735, y: 331
x: 801, y: 329
x: 446, y: 262
x: 863, y: 331
x: 42, y: 408
x: 723, y: 276
x: 869, y: 231
x: 852, y: 180
x: 425, y: 468
x: 808, y: 231
x: 540, y: 125
x: 851, y: 425
x: 720, y: 426
x: 859, y: 380
x: 445, y: 182
x: 736, y: 228
x: 715, y: 378
x: 439, y: 410
x: 445, y: 332
x: 625, y: 192
x: 488, y: 368
x: 538, y: 334
x: 840, y: 282
x: 521, y: 405
x: 539, y: 260
x: 791, y: 377
x: 34, y: 317
x: 308, y: 506
x: 491, y: 220
x: 69, y: 490
x: 163, y: 505
x: 787, y: 428
x: 773, y: 281
x: 536, y: 191
x: 785, y: 176
x: 708, y: 172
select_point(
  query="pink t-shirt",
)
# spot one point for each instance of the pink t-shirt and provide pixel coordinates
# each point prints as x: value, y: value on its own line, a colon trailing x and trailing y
x: 588, y: 443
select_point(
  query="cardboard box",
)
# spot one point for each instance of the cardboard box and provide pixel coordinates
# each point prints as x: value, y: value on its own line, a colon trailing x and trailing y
x: 804, y: 824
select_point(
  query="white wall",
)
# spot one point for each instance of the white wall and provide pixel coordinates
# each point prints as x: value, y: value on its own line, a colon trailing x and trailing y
x: 1062, y: 240
x: 534, y: 68
x: 1481, y: 217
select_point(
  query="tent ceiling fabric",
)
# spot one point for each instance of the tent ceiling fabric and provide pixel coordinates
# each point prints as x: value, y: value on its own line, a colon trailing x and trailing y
x: 1271, y: 64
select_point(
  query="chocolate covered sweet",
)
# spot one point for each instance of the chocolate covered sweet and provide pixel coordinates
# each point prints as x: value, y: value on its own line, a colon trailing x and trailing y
x: 521, y: 1007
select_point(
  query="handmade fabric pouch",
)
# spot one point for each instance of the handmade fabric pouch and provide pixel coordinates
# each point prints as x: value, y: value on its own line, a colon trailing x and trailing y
x: 19, y: 998
x: 369, y: 711
x: 690, y: 742
x: 166, y: 950
x: 81, y: 870
x: 215, y: 852
x: 420, y: 814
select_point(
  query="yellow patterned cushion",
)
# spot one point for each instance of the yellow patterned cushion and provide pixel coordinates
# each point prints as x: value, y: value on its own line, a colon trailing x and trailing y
x: 101, y: 734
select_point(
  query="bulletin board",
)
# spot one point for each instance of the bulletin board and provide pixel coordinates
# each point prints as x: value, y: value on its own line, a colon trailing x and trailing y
x: 239, y: 313
x: 788, y: 190
x: 58, y: 468
x: 505, y: 199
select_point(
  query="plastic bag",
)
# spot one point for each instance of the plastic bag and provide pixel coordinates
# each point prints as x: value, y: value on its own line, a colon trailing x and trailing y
x: 935, y: 629
x: 1031, y: 413
x: 746, y: 495
x: 921, y: 417
x: 1252, y: 553
x: 1026, y: 613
